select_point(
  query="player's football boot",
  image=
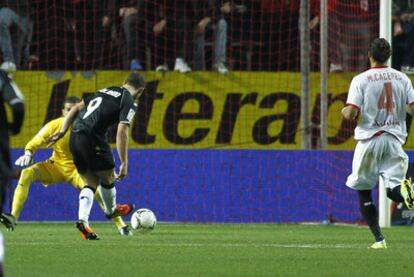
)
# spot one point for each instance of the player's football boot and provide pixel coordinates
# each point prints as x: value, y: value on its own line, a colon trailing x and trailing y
x: 85, y: 231
x: 8, y: 220
x: 379, y: 245
x: 125, y: 231
x: 122, y: 210
x: 407, y: 192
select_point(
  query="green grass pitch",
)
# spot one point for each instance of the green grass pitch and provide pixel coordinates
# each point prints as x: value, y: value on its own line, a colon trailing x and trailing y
x: 53, y: 249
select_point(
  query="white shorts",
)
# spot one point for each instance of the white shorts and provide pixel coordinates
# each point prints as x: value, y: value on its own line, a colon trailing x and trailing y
x: 379, y: 157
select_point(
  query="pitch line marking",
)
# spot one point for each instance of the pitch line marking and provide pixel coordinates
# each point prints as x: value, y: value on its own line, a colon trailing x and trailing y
x: 226, y: 245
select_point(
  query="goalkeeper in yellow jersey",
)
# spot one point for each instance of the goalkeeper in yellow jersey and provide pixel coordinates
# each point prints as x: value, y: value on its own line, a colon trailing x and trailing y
x: 59, y: 168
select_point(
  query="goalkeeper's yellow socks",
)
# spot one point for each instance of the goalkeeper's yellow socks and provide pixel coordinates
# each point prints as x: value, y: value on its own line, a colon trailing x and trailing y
x: 22, y: 190
x: 119, y: 222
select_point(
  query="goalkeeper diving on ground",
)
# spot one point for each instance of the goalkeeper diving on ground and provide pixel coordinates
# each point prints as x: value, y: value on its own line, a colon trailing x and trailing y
x: 59, y: 168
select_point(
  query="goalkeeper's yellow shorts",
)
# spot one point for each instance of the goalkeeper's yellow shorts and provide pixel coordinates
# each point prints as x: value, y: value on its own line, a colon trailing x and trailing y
x: 51, y: 173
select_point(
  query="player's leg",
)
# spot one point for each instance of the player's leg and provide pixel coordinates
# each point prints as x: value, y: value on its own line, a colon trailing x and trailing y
x: 86, y: 196
x: 27, y: 176
x: 364, y: 176
x: 365, y: 166
x: 4, y: 179
x: 369, y: 212
x: 5, y: 174
x: 107, y: 190
x: 395, y: 194
x: 85, y: 184
x: 5, y: 219
x: 122, y: 227
x: 108, y: 194
x: 82, y: 150
x: 78, y: 183
x: 104, y: 168
x: 43, y: 172
x: 393, y: 171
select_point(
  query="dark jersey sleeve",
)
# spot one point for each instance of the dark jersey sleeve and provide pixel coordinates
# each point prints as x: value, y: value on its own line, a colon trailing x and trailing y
x: 128, y: 109
x: 12, y: 95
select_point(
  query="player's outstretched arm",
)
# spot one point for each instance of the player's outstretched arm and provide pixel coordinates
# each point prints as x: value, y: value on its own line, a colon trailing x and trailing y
x: 38, y: 141
x: 67, y: 122
x: 122, y: 148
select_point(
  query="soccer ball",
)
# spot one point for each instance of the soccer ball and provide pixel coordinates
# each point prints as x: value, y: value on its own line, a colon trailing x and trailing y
x: 143, y: 219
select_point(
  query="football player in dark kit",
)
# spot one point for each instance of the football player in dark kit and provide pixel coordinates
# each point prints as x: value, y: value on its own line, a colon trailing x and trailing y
x: 91, y: 152
x: 10, y: 94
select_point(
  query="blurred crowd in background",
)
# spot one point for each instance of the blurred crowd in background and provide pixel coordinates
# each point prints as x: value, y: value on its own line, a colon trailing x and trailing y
x: 186, y: 35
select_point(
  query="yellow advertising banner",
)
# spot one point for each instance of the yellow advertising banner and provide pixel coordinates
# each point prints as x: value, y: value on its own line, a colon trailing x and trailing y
x: 241, y: 110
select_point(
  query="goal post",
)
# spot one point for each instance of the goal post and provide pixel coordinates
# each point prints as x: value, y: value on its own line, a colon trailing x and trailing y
x: 385, y: 32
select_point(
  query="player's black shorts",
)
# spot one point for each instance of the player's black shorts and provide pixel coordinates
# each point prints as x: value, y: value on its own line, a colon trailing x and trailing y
x: 90, y: 154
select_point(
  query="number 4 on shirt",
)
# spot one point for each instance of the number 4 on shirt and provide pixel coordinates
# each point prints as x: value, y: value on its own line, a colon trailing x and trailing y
x: 386, y: 100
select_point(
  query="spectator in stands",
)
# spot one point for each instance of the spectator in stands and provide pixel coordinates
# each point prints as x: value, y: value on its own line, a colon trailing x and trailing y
x: 279, y: 35
x: 351, y: 27
x: 16, y: 28
x: 334, y: 34
x: 211, y: 14
x: 359, y: 20
x: 403, y: 18
x: 243, y: 33
x: 92, y: 27
x: 132, y: 17
x: 170, y: 28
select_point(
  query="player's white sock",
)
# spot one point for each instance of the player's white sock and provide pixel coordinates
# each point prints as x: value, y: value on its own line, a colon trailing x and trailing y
x: 108, y: 195
x: 85, y: 203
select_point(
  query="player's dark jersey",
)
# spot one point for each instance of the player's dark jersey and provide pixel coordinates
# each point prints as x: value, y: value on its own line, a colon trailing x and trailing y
x: 103, y: 109
x: 10, y: 94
